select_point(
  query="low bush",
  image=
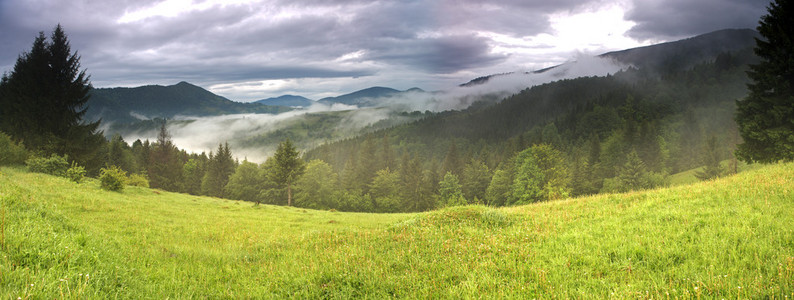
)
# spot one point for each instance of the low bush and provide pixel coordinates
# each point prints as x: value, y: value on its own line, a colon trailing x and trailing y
x: 11, y: 153
x: 54, y: 165
x: 75, y: 173
x: 138, y: 180
x: 112, y: 178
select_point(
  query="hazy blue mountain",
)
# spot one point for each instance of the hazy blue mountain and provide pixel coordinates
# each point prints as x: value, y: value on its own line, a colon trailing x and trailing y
x: 154, y: 101
x: 369, y: 97
x: 287, y: 100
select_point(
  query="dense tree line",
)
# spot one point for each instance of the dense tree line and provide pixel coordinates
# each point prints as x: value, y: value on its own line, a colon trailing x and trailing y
x: 581, y: 136
x: 622, y: 132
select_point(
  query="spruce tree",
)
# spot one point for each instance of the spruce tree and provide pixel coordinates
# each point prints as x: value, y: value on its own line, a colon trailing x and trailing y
x: 386, y: 159
x: 219, y: 168
x: 366, y: 165
x: 411, y: 180
x: 452, y: 161
x: 633, y: 175
x: 765, y: 117
x: 120, y: 154
x: 288, y: 167
x: 165, y: 171
x: 42, y: 101
x: 475, y: 179
x: 711, y: 161
x: 427, y: 190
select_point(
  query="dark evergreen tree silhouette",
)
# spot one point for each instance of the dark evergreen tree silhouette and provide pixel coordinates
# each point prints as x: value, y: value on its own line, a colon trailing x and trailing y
x: 219, y: 168
x: 165, y: 170
x: 765, y: 116
x: 43, y: 100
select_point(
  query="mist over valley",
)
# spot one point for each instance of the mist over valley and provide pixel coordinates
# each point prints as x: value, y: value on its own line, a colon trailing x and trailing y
x: 199, y: 120
x: 396, y: 149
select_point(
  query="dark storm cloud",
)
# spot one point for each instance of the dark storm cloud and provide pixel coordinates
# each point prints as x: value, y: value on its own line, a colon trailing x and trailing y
x: 437, y: 55
x: 513, y: 17
x: 215, y: 75
x: 436, y: 37
x: 217, y: 41
x: 669, y: 19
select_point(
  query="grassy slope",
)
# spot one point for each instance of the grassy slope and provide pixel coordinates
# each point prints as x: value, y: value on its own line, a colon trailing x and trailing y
x: 727, y: 238
x: 688, y: 177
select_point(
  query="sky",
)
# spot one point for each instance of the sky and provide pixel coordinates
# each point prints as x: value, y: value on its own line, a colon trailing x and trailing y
x: 246, y: 50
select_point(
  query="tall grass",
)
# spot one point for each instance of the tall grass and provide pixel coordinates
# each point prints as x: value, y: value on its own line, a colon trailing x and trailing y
x: 726, y: 238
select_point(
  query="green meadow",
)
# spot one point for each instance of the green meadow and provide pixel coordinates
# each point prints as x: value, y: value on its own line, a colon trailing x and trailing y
x: 728, y: 238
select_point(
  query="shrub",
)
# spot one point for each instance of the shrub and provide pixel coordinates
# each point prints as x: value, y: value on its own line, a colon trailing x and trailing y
x: 11, y: 153
x: 54, y: 165
x: 138, y: 180
x: 112, y: 178
x: 75, y: 173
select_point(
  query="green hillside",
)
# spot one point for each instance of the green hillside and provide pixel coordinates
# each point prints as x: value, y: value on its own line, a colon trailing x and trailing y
x: 727, y: 238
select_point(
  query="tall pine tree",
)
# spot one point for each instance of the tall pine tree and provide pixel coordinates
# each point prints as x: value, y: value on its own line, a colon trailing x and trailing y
x: 766, y: 116
x: 712, y: 168
x: 288, y: 167
x: 42, y: 101
x: 219, y: 168
x: 165, y: 170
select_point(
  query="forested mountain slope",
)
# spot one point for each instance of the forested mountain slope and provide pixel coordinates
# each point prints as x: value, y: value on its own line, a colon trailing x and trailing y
x: 287, y: 100
x: 370, y: 97
x: 664, y: 115
x: 670, y: 56
x: 148, y: 102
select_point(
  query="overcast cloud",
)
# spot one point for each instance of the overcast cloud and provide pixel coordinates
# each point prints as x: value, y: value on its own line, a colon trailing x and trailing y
x: 249, y: 49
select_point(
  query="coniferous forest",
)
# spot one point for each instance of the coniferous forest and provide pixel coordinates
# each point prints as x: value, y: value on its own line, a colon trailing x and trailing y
x: 625, y: 131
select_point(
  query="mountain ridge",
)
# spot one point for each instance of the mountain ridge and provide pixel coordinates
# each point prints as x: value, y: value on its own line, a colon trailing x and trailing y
x: 368, y: 97
x: 125, y: 104
x: 287, y: 100
x: 679, y: 54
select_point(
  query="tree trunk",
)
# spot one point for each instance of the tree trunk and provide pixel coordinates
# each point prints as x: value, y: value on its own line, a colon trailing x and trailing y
x: 289, y: 194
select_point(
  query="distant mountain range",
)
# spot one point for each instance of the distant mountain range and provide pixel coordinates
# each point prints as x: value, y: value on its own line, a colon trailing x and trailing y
x: 369, y: 97
x: 287, y: 100
x: 124, y: 105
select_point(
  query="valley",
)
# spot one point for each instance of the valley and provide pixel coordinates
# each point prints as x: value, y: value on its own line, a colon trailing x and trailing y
x: 379, y: 150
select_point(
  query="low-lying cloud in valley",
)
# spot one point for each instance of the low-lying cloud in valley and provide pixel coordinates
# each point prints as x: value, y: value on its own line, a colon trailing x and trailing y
x: 203, y: 134
x: 500, y: 86
x: 247, y: 134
